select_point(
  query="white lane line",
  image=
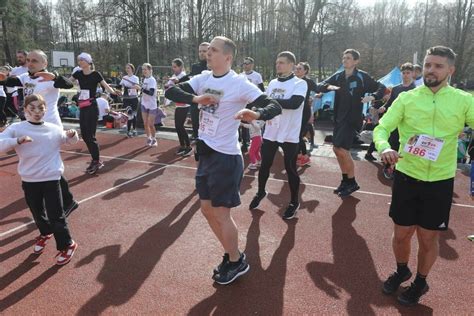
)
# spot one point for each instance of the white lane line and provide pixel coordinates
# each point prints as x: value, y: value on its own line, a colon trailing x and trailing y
x: 191, y: 168
x: 87, y: 199
x: 245, y: 175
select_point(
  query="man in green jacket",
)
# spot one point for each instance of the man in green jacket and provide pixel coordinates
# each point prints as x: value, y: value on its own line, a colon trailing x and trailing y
x: 429, y: 120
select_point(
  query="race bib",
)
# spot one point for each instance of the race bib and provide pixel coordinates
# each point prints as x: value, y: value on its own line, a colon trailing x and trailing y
x: 132, y: 92
x: 274, y: 122
x: 424, y: 146
x: 84, y: 95
x: 208, y: 123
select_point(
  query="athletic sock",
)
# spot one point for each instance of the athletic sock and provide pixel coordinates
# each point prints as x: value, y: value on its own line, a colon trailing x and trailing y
x: 351, y: 180
x: 420, y: 280
x: 402, y: 268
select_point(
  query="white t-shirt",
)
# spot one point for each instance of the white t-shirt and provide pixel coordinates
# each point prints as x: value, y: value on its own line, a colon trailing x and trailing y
x: 47, y: 90
x: 254, y: 77
x: 149, y: 101
x: 40, y: 160
x: 128, y: 82
x: 286, y: 126
x: 103, y: 105
x: 16, y: 71
x: 2, y: 92
x: 217, y: 126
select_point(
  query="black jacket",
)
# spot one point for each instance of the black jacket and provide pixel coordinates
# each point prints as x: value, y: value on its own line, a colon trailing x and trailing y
x: 348, y: 105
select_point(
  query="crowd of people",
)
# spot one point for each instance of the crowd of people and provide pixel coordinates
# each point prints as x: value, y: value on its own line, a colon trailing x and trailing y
x: 420, y: 122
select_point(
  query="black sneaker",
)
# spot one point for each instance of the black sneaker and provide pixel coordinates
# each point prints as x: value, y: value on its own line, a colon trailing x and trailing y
x: 388, y: 172
x: 180, y: 151
x: 393, y: 282
x: 370, y: 157
x: 230, y: 271
x: 225, y: 259
x: 291, y: 211
x: 187, y: 152
x: 349, y: 189
x: 412, y: 294
x: 340, y: 187
x: 95, y: 166
x: 256, y: 200
x: 71, y: 207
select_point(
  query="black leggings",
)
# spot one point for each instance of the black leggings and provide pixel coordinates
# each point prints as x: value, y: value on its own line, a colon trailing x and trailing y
x: 180, y: 114
x: 88, y: 124
x: 290, y: 152
x: 3, y: 117
x: 41, y: 195
x: 133, y: 104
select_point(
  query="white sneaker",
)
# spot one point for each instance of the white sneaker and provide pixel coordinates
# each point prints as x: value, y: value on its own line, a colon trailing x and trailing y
x: 148, y: 141
x: 154, y: 143
x: 252, y: 166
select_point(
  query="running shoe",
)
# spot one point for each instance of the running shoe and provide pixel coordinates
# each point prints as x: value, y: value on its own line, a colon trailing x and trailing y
x: 180, y: 151
x: 291, y: 211
x: 230, y: 271
x: 256, y: 200
x: 411, y: 296
x: 71, y: 207
x: 305, y: 160
x: 129, y: 134
x: 470, y: 237
x: 154, y: 143
x: 388, y: 172
x: 252, y: 166
x: 187, y: 152
x: 148, y: 141
x: 95, y: 166
x: 225, y: 260
x: 40, y: 243
x: 370, y: 157
x: 340, y: 187
x: 348, y: 189
x: 63, y: 257
x: 394, y: 281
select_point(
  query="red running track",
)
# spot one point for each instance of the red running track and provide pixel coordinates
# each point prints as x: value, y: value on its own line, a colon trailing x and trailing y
x: 144, y: 247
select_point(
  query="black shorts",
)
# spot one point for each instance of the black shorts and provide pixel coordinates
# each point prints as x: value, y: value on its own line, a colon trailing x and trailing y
x: 218, y: 179
x: 425, y: 204
x: 343, y: 135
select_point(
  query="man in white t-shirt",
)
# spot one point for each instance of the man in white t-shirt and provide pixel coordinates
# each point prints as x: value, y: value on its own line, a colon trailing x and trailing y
x: 17, y: 71
x: 222, y: 96
x: 253, y: 76
x: 283, y: 131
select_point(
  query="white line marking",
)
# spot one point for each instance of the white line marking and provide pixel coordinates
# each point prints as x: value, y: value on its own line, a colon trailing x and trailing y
x: 185, y: 167
x: 245, y: 175
x: 87, y: 199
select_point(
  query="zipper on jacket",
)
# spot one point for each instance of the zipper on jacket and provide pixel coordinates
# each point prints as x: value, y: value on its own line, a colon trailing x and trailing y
x: 432, y: 132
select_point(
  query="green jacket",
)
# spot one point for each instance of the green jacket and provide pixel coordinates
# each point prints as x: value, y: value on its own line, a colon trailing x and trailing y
x: 419, y: 111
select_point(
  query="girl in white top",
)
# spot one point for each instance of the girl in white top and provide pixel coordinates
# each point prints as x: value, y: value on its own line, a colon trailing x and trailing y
x: 131, y: 86
x: 149, y: 105
x: 181, y: 110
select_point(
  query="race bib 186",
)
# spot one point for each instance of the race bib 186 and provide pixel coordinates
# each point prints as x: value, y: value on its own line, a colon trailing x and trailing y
x: 424, y: 146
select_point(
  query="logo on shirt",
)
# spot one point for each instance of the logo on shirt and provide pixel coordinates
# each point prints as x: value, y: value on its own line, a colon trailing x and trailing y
x: 28, y: 89
x: 277, y: 93
x: 212, y: 107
